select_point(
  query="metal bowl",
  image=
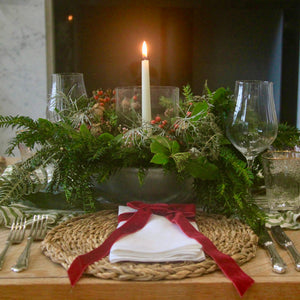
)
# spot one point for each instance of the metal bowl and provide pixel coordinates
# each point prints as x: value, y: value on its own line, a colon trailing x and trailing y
x: 158, y: 187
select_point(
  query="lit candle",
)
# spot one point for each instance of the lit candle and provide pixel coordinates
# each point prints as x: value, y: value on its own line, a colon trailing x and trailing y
x: 146, y: 99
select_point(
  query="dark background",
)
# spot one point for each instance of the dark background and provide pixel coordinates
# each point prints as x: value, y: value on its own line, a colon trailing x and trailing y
x: 188, y: 42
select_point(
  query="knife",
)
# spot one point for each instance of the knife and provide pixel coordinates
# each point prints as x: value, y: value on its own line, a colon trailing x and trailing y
x: 284, y: 241
x: 278, y: 265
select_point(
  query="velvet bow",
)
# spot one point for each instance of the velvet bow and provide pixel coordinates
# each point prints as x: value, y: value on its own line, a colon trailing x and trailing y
x: 179, y: 214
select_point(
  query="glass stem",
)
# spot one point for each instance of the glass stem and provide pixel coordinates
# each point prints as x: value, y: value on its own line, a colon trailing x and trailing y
x: 250, y: 162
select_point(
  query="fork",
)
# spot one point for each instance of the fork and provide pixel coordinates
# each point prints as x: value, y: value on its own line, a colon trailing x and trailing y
x: 37, y: 233
x: 16, y: 236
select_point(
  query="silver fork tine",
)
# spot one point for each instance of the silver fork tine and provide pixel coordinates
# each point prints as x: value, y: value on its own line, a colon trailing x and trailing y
x: 41, y: 228
x: 20, y: 231
x: 16, y: 235
x: 37, y: 232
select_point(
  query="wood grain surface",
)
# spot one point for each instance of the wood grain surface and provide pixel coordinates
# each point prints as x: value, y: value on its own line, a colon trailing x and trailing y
x: 46, y: 280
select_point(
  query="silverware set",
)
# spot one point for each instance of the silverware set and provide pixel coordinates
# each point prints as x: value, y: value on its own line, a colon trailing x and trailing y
x: 278, y: 264
x: 37, y: 232
x: 16, y: 236
x: 284, y: 241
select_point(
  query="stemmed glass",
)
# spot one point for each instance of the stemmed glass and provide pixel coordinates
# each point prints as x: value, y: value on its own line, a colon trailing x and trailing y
x: 252, y: 125
x: 65, y: 89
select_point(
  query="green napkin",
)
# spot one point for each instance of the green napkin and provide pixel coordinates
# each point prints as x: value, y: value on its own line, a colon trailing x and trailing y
x: 288, y: 219
x: 9, y: 213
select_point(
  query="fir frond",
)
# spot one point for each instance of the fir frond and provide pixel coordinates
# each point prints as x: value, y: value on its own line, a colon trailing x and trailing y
x: 17, y: 122
x: 187, y: 93
x: 21, y: 182
x: 287, y: 137
x: 91, y: 142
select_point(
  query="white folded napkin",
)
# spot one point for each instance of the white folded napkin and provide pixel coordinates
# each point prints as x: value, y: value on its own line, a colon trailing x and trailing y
x: 158, y: 241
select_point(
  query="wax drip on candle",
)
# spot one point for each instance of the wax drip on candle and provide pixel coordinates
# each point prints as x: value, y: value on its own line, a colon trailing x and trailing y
x: 146, y: 98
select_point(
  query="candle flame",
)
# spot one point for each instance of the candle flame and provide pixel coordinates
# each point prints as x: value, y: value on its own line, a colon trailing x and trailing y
x: 144, y: 50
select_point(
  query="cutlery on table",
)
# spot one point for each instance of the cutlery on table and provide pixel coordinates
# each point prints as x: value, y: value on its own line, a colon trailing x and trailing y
x: 37, y: 233
x: 284, y: 241
x: 16, y: 236
x: 278, y: 265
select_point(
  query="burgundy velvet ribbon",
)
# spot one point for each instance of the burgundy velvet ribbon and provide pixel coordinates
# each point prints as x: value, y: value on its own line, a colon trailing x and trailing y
x: 176, y: 213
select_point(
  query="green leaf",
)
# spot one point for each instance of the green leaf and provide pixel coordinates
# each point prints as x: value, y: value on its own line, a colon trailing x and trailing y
x: 44, y: 123
x: 220, y: 94
x: 175, y: 147
x: 163, y: 141
x: 141, y: 176
x: 160, y: 159
x: 84, y: 130
x: 158, y: 148
x: 105, y: 137
x: 161, y: 145
x: 199, y: 107
x: 202, y: 169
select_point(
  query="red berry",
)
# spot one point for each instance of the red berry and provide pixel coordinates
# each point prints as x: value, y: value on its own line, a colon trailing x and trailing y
x: 100, y: 93
x: 164, y: 122
x: 114, y: 92
x: 96, y: 97
x: 176, y: 126
x: 158, y: 119
x: 161, y: 125
x: 153, y: 122
x: 188, y: 114
x: 134, y: 97
x: 102, y: 104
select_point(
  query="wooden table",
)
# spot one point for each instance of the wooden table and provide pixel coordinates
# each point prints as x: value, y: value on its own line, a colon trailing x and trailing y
x: 46, y: 280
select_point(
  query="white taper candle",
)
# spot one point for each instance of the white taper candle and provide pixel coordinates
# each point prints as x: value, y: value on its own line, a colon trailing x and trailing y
x: 146, y: 98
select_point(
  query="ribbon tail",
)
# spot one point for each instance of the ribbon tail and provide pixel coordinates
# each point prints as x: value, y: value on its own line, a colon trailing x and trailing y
x: 226, y: 263
x: 81, y: 262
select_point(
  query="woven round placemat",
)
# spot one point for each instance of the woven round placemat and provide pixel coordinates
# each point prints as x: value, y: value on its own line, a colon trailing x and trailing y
x: 84, y: 233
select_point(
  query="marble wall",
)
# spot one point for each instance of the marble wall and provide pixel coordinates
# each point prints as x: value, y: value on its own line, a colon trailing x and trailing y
x: 23, y: 75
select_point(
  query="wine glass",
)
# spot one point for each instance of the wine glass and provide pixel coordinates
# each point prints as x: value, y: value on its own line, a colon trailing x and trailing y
x: 252, y: 125
x: 65, y: 89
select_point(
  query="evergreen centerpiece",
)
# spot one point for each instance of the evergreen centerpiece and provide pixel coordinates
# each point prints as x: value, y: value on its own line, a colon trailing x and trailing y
x: 92, y: 141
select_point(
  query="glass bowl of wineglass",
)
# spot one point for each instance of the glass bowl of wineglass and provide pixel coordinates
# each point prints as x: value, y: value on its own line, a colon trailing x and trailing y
x: 65, y: 89
x: 252, y: 124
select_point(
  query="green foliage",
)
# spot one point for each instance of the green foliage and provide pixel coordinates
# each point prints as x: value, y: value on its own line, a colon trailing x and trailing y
x: 91, y: 142
x: 287, y: 137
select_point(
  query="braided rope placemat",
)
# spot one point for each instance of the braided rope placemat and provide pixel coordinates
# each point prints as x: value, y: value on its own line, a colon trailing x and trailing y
x: 82, y: 234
